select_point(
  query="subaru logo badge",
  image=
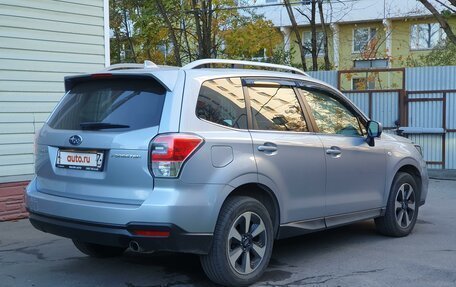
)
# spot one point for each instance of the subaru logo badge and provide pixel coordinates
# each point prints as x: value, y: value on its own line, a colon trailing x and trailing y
x: 75, y: 140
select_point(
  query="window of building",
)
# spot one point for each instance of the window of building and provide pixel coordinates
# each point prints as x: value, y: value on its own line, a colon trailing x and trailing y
x: 426, y: 36
x: 221, y: 101
x: 255, y: 2
x: 360, y: 84
x: 362, y: 37
x: 371, y: 63
x: 276, y: 108
x: 307, y: 42
x: 331, y: 116
x: 260, y: 55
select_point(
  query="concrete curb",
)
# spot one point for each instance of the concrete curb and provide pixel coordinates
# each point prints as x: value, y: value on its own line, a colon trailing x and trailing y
x: 443, y: 174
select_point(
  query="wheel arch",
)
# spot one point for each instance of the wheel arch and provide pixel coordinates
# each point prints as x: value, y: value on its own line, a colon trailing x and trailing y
x: 263, y: 194
x: 410, y: 167
x: 413, y: 171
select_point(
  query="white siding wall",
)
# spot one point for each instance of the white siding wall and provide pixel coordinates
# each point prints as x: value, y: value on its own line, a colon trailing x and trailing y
x: 40, y: 43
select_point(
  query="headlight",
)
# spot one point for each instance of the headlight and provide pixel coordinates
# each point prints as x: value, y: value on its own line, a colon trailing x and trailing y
x: 420, y: 150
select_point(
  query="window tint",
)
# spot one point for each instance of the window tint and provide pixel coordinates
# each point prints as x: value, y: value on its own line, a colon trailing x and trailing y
x: 136, y: 103
x: 222, y: 101
x: 331, y: 116
x: 276, y: 108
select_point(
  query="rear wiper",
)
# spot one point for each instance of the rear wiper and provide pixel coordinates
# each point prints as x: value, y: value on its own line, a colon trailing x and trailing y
x: 100, y: 126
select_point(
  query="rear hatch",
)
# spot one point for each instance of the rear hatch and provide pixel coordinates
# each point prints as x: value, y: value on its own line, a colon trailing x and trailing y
x: 95, y: 144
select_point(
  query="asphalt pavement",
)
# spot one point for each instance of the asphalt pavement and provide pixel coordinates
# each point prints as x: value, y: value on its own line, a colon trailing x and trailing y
x: 353, y: 255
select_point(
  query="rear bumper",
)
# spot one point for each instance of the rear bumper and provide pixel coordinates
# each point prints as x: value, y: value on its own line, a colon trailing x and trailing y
x: 121, y: 235
x: 192, y: 207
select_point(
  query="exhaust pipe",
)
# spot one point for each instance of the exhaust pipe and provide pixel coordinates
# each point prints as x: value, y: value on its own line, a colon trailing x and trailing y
x: 135, y: 246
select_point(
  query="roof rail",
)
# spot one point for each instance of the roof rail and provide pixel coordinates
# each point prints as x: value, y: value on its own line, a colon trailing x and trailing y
x: 199, y: 63
x: 125, y: 66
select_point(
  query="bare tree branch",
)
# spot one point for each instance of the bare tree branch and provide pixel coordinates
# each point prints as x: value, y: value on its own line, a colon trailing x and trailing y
x: 313, y: 41
x: 128, y: 32
x: 446, y: 6
x: 325, y: 35
x: 294, y: 28
x: 443, y: 22
x: 172, y: 33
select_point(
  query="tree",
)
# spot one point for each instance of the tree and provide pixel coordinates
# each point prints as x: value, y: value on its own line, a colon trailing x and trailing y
x: 325, y: 35
x: 442, y: 55
x: 172, y: 33
x: 440, y: 16
x: 120, y: 22
x: 175, y: 32
x: 315, y: 40
x: 294, y: 28
x: 238, y: 40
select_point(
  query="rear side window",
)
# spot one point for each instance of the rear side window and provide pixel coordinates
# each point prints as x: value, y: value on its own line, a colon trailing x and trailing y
x: 277, y: 109
x: 221, y: 101
x: 125, y: 104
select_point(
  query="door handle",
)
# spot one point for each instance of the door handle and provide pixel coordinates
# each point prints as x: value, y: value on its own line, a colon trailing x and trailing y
x: 267, y: 148
x: 333, y: 151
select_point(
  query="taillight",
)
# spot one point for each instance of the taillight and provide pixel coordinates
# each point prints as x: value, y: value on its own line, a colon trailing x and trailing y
x: 170, y: 151
x: 152, y: 233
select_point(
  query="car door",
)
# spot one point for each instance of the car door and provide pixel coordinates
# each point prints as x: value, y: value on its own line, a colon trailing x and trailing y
x: 288, y: 156
x: 355, y: 171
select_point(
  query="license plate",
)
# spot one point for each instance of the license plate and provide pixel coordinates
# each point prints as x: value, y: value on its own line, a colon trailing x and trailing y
x: 82, y: 160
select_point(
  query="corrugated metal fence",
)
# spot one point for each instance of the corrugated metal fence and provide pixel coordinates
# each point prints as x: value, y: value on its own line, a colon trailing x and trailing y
x: 429, y: 105
x: 329, y: 77
x: 431, y: 98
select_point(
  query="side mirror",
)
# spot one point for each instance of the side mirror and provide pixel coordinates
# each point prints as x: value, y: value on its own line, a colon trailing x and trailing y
x: 374, y: 130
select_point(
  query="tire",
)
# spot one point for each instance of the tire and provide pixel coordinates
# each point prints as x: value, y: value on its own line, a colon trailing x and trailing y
x: 230, y: 236
x: 98, y: 251
x: 402, y: 207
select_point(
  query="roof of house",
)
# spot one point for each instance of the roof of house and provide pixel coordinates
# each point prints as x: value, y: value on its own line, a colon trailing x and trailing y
x: 348, y: 11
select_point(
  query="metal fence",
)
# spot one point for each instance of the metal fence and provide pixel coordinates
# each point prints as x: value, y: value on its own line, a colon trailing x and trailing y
x: 425, y: 107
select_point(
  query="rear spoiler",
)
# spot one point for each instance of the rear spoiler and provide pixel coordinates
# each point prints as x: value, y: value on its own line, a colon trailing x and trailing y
x: 71, y: 81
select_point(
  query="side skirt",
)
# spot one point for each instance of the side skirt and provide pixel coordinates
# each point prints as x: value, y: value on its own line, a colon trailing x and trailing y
x: 297, y: 228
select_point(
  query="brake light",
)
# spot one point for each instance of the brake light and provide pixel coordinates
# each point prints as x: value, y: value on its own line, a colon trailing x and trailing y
x: 170, y: 151
x: 102, y: 75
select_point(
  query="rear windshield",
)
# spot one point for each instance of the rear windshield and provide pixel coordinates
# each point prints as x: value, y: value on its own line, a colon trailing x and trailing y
x: 125, y: 104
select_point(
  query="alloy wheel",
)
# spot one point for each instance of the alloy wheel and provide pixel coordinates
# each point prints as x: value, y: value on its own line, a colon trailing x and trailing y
x: 405, y: 205
x: 247, y: 243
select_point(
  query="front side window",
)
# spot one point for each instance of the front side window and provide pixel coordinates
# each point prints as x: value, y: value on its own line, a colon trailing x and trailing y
x: 331, y: 116
x: 276, y: 108
x: 425, y: 36
x: 362, y: 37
x: 221, y: 101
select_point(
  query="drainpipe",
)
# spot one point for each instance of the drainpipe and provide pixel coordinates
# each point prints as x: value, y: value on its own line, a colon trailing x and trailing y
x: 389, y: 44
x: 389, y: 38
x: 286, y: 32
x: 335, y: 31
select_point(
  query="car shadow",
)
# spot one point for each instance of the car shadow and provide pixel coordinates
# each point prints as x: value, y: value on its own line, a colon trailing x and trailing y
x: 174, y: 269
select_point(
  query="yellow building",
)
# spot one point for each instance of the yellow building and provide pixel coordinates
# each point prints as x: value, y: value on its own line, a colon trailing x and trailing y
x: 361, y: 33
x: 377, y: 43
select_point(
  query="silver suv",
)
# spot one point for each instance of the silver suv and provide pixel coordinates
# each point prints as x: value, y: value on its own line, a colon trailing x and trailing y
x: 217, y: 160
